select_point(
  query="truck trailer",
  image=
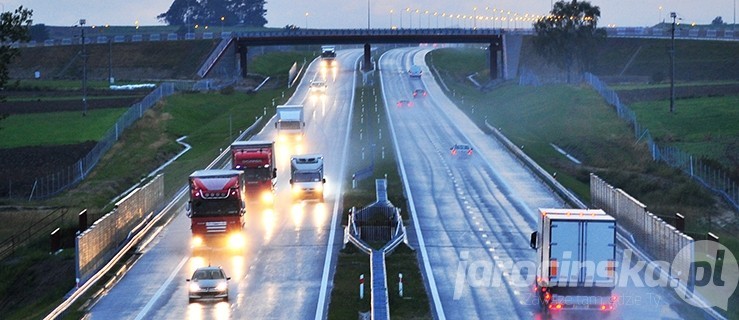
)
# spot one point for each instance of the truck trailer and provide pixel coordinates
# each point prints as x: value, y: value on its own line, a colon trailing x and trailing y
x: 257, y: 160
x: 290, y: 123
x: 576, y: 251
x: 216, y: 208
x: 306, y: 177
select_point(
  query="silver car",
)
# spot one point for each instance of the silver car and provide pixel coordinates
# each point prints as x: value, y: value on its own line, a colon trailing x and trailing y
x: 208, y: 283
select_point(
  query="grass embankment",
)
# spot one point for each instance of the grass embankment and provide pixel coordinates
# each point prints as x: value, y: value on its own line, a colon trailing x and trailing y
x: 345, y: 304
x: 36, y: 129
x: 576, y: 119
x: 203, y: 117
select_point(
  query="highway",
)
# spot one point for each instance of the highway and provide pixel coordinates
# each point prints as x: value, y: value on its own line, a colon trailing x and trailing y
x: 468, y: 213
x: 477, y: 212
x: 290, y: 251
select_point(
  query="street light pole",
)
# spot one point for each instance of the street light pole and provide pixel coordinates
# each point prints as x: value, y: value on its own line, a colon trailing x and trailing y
x: 368, y: 14
x: 672, y: 62
x: 84, y: 69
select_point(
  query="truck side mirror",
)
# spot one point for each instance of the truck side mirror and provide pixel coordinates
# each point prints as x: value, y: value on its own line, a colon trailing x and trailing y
x: 324, y: 180
x: 291, y: 181
x: 534, y: 240
x: 274, y: 173
x: 188, y: 209
x: 275, y: 125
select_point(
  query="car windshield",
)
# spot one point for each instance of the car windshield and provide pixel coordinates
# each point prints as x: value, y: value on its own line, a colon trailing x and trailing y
x: 257, y: 174
x: 306, y: 177
x: 207, y: 275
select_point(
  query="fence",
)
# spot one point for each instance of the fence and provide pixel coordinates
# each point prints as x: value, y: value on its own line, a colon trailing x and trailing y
x: 714, y: 179
x: 95, y: 246
x: 52, y: 184
x: 656, y: 237
x: 40, y: 228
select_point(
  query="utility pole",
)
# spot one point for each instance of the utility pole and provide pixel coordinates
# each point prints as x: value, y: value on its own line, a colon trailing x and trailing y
x: 672, y: 65
x: 84, y: 69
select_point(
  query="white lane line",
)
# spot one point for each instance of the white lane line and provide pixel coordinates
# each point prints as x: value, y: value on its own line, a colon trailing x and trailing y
x: 327, y: 262
x: 159, y: 292
x: 412, y: 208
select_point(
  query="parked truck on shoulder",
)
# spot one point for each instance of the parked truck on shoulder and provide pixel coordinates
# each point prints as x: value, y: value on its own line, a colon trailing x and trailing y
x: 290, y: 122
x: 257, y: 160
x: 306, y: 177
x: 216, y: 208
x: 576, y: 251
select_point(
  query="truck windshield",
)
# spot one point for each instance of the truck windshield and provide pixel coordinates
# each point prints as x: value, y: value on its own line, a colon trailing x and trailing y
x: 306, y: 177
x: 289, y: 124
x: 215, y: 207
x: 257, y: 174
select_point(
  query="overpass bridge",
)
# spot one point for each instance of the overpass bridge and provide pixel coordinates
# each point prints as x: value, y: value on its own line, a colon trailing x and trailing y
x: 493, y: 38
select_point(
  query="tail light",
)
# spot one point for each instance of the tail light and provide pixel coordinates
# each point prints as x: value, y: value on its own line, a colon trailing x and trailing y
x: 553, y: 268
x: 469, y: 152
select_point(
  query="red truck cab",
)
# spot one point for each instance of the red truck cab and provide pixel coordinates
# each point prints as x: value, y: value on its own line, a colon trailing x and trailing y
x: 257, y: 160
x: 216, y: 208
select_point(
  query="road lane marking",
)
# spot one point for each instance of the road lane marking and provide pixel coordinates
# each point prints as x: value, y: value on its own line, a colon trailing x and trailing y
x: 332, y: 233
x: 159, y: 292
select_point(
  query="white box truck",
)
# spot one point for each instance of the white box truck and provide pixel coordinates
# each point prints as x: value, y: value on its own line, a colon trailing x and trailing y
x: 328, y: 55
x: 290, y: 122
x: 576, y: 251
x: 306, y: 177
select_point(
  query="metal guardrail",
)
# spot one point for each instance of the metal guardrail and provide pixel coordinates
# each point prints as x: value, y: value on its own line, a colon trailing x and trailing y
x: 380, y: 308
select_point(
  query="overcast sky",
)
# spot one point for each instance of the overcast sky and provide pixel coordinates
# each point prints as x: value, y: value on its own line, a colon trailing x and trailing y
x: 353, y: 13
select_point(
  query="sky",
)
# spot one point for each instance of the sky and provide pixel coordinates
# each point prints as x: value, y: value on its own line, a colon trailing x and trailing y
x: 353, y: 13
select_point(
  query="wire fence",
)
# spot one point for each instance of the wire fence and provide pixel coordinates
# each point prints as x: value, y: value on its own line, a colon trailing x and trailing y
x: 44, y: 225
x: 710, y: 177
x: 53, y: 184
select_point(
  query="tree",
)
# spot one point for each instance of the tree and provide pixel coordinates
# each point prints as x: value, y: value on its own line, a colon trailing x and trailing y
x: 38, y: 32
x: 569, y: 36
x: 718, y: 21
x: 214, y: 12
x: 13, y: 28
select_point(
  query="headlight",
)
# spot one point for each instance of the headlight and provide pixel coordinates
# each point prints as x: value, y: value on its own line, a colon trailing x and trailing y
x: 194, y: 286
x: 236, y: 240
x: 268, y: 197
x: 297, y: 189
x: 282, y: 138
x: 319, y: 187
x: 299, y: 138
x: 197, y: 241
x: 223, y: 286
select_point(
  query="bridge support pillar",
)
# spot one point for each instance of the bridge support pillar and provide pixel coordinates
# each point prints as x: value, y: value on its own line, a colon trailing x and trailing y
x: 495, y: 47
x: 242, y: 50
x: 367, y: 62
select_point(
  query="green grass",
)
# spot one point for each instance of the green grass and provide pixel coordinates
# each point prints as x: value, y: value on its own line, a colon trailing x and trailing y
x: 69, y: 127
x: 637, y: 86
x: 700, y: 126
x: 351, y: 263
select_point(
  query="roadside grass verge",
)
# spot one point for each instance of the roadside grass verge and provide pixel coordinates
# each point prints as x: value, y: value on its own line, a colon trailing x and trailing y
x: 577, y: 120
x: 210, y: 120
x: 68, y: 127
x: 703, y: 127
x: 368, y: 108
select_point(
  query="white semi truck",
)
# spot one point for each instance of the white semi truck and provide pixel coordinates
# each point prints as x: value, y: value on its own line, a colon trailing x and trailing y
x: 306, y: 177
x: 576, y: 250
x: 290, y: 122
